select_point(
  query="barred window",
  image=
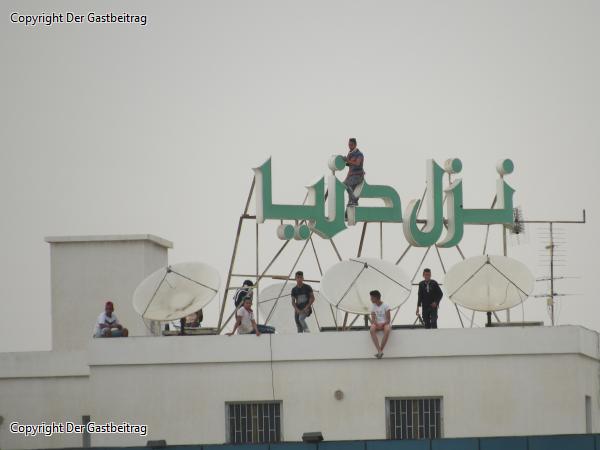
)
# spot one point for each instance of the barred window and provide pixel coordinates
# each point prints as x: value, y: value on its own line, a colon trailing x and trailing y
x: 253, y: 422
x: 414, y: 418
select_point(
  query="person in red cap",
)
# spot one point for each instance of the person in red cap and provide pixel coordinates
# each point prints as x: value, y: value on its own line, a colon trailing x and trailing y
x: 108, y: 325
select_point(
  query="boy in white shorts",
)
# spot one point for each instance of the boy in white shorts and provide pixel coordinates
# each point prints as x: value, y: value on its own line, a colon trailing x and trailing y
x: 380, y: 321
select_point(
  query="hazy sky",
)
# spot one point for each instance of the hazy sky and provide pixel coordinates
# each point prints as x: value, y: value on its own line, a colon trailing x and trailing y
x: 117, y: 129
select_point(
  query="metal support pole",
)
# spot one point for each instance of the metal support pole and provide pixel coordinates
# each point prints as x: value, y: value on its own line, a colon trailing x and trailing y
x: 316, y: 257
x: 256, y: 284
x: 444, y: 270
x: 354, y: 320
x: 420, y: 264
x: 505, y: 252
x: 272, y: 261
x: 487, y: 231
x: 231, y: 263
x: 289, y: 275
x: 413, y: 278
x: 335, y: 249
x: 380, y: 240
x: 583, y: 220
x: 362, y: 240
x: 234, y: 253
x: 408, y: 247
x: 321, y: 273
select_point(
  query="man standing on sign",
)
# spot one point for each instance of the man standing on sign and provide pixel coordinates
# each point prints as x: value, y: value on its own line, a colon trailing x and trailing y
x: 356, y: 174
x: 380, y: 321
x: 302, y: 300
x: 430, y: 295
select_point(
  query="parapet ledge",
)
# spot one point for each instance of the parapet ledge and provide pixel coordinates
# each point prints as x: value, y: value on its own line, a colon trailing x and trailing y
x: 48, y: 364
x: 110, y: 238
x: 355, y: 345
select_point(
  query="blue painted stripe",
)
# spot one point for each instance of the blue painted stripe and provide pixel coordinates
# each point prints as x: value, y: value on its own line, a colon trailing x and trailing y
x: 293, y: 446
x: 342, y: 445
x: 455, y: 444
x: 503, y: 443
x: 572, y: 442
x: 422, y: 444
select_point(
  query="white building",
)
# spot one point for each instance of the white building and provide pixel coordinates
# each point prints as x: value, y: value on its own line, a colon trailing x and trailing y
x: 481, y: 382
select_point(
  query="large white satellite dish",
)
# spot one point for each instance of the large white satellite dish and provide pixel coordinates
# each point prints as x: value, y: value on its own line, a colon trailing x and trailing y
x: 488, y: 283
x: 275, y: 309
x: 176, y: 291
x: 347, y: 284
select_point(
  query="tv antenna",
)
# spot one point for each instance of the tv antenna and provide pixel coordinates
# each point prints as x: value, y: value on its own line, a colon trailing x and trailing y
x: 553, y: 258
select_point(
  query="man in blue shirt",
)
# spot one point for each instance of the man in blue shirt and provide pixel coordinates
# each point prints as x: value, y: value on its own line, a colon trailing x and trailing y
x: 356, y: 174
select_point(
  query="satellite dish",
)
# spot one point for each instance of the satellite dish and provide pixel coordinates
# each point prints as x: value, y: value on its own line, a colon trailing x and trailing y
x: 275, y: 309
x: 176, y: 291
x: 347, y: 284
x: 489, y: 283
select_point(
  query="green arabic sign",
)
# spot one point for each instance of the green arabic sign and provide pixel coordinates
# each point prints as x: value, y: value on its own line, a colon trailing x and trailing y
x: 324, y: 212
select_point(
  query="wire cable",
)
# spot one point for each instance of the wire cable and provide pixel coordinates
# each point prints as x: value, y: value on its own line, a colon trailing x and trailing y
x: 272, y: 375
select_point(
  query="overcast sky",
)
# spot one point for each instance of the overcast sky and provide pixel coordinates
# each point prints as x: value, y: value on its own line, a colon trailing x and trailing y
x: 117, y: 129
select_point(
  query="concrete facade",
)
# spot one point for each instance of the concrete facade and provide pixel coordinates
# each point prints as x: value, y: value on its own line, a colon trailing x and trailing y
x: 493, y: 382
x: 88, y: 270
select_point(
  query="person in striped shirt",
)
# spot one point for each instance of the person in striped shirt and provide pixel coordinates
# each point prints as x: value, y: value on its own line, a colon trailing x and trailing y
x: 356, y: 175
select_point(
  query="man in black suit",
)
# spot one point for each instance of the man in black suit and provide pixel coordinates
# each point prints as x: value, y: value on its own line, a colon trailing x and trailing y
x: 430, y: 295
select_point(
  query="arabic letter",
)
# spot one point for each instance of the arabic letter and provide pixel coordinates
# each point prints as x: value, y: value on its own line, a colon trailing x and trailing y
x: 390, y: 212
x: 454, y: 200
x: 432, y: 230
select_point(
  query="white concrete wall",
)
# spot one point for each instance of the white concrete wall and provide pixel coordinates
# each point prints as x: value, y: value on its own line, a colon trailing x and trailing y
x: 43, y: 386
x: 88, y: 270
x: 494, y: 382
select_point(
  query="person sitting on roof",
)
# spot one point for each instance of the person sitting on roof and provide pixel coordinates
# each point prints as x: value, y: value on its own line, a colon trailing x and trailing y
x: 193, y: 320
x: 245, y: 323
x: 108, y: 325
x: 242, y: 293
x: 380, y: 321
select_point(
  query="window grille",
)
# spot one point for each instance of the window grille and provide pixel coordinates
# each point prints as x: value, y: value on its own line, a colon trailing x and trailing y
x: 414, y: 418
x: 253, y: 422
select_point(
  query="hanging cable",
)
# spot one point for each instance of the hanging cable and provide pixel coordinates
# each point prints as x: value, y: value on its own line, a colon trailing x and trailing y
x: 271, y: 363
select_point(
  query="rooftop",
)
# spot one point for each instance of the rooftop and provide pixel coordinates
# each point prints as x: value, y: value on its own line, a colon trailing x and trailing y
x: 348, y: 346
x: 107, y: 238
